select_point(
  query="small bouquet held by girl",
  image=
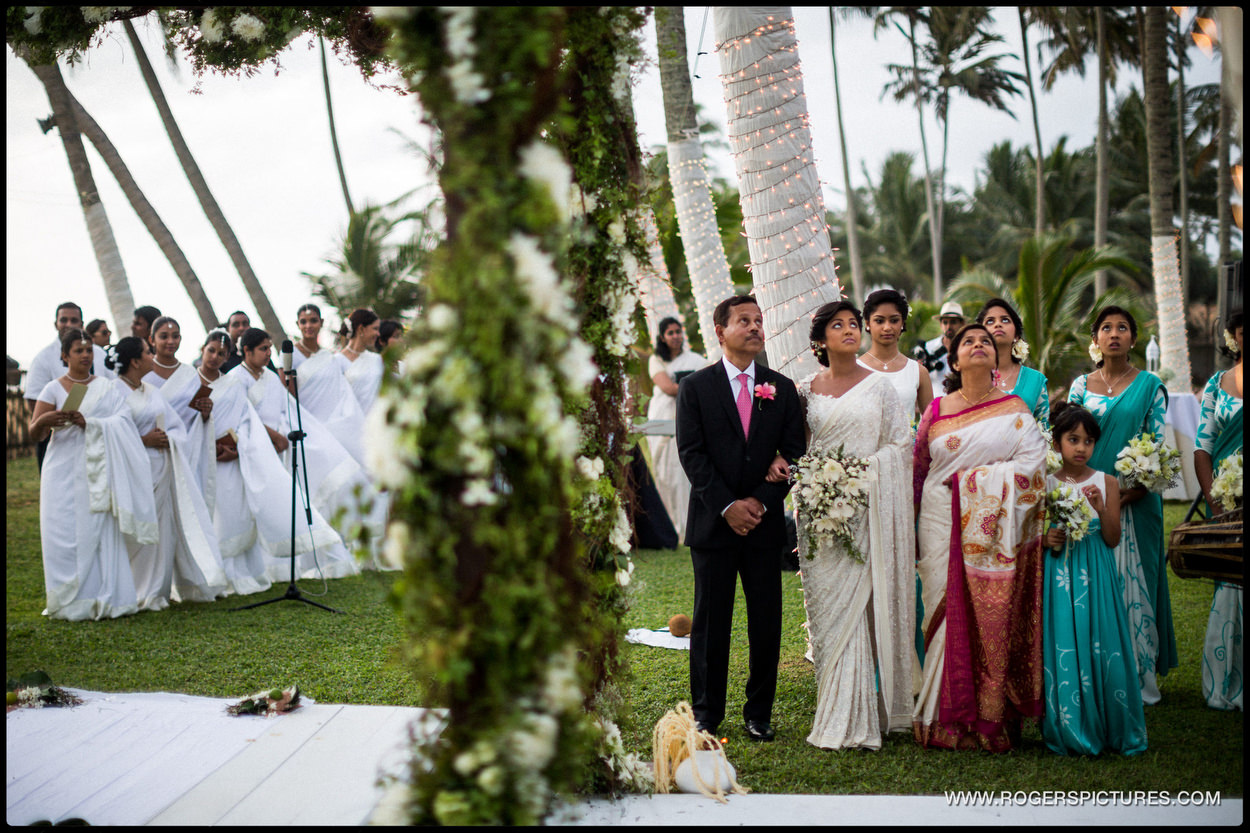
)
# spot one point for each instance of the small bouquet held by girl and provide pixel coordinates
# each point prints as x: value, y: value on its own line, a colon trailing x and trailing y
x: 830, y: 490
x: 1149, y: 462
x: 1070, y: 511
x: 1227, y: 487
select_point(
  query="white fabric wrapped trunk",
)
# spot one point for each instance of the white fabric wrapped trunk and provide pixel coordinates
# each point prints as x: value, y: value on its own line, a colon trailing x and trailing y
x: 696, y: 220
x: 1173, y: 346
x: 792, y: 265
x: 653, y: 281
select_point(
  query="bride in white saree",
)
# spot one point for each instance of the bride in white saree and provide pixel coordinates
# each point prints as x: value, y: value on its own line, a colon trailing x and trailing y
x: 861, y: 616
x: 95, y: 492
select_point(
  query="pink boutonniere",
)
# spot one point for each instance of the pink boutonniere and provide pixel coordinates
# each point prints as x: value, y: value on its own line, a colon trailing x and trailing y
x: 765, y: 391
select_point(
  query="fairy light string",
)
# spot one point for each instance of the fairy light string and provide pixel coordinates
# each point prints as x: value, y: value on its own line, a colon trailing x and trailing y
x: 792, y: 262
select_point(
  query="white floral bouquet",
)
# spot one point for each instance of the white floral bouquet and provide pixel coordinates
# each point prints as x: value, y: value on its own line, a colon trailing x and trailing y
x: 830, y: 490
x: 268, y: 703
x: 1149, y: 462
x: 35, y: 691
x: 1070, y: 510
x: 1054, y: 460
x: 1226, y: 488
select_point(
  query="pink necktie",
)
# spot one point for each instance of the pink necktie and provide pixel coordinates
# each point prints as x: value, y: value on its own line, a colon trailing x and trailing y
x: 744, y: 402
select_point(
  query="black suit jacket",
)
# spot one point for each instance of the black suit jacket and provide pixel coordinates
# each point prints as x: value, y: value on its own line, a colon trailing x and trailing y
x: 723, y: 466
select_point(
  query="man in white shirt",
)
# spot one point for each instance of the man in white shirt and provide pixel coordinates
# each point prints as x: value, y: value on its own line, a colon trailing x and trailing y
x: 47, y: 364
x: 937, y: 350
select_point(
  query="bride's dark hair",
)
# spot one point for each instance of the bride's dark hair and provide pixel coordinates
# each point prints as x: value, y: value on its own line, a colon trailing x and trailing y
x: 821, y: 320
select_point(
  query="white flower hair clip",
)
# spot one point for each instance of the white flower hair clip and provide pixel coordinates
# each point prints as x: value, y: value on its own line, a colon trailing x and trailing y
x: 1094, y: 352
x: 1020, y: 350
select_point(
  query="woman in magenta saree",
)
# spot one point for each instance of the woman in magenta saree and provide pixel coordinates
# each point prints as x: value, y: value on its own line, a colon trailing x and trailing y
x: 979, y: 481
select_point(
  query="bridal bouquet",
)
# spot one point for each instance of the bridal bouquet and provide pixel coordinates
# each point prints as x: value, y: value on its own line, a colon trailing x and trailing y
x: 1149, y: 462
x: 830, y: 489
x: 268, y: 703
x: 1226, y: 489
x: 35, y: 690
x: 1070, y: 511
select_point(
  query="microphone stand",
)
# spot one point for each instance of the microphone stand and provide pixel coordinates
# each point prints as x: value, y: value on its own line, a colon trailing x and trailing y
x: 296, y: 438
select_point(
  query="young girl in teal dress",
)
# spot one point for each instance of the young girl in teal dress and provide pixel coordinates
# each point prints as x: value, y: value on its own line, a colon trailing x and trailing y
x: 1093, y: 701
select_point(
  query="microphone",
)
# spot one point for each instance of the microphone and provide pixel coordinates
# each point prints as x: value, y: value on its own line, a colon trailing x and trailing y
x: 287, y: 355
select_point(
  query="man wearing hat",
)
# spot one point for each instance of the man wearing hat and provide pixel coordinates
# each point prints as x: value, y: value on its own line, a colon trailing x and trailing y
x: 951, y: 317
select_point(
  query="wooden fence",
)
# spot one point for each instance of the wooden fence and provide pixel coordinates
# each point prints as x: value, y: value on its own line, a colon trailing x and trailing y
x: 17, y: 442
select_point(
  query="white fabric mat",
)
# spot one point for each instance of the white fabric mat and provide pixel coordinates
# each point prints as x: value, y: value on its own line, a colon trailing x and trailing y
x: 135, y: 758
x: 658, y: 638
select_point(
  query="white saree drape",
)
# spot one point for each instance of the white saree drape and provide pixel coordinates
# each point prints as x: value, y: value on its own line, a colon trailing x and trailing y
x: 670, y: 478
x: 185, y: 562
x: 200, y: 447
x: 861, y: 617
x: 365, y: 377
x: 95, y: 501
x: 325, y: 393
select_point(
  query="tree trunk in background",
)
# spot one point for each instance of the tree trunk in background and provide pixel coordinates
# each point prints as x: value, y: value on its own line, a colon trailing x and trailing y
x: 792, y: 264
x: 1224, y: 174
x: 1039, y: 223
x: 696, y: 214
x: 116, y: 286
x: 852, y: 225
x: 935, y: 229
x: 151, y: 220
x: 654, y: 288
x: 1164, y: 263
x: 1182, y: 168
x: 1102, y: 189
x: 198, y: 184
x: 334, y: 136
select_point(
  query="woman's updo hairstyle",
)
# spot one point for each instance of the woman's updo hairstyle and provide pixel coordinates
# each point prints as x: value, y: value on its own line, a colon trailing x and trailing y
x: 887, y: 296
x: 250, y: 340
x: 313, y: 308
x: 125, y: 351
x: 220, y: 336
x: 72, y: 337
x: 820, y: 321
x: 1229, y: 347
x: 386, y: 329
x: 359, y: 318
x: 1011, y: 313
x: 1066, y: 416
x: 1105, y: 313
x: 954, y: 381
x: 661, y: 346
x: 157, y: 324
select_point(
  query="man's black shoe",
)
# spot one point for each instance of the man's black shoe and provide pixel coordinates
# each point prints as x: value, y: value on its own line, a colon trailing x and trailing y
x: 759, y: 730
x: 705, y: 727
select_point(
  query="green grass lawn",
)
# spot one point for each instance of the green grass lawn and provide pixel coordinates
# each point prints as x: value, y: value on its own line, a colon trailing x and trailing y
x: 206, y: 649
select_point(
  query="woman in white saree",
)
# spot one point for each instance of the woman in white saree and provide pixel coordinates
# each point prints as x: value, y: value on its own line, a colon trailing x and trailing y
x: 861, y: 615
x: 180, y: 385
x: 323, y: 389
x: 668, y: 366
x: 333, y: 476
x: 95, y: 492
x: 364, y: 371
x: 980, y: 463
x: 185, y: 563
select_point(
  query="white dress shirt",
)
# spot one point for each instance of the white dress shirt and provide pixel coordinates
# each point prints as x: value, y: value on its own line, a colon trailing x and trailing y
x: 734, y: 386
x: 47, y: 366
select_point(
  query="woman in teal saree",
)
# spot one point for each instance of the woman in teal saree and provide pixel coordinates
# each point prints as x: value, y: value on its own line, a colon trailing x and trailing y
x: 1220, y: 437
x: 1005, y: 326
x: 1128, y: 402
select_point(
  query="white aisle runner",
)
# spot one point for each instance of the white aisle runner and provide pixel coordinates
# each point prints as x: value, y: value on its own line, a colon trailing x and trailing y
x: 129, y: 759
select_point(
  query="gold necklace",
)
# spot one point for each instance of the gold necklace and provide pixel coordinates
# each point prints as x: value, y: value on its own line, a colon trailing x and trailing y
x: 979, y: 401
x: 1111, y: 385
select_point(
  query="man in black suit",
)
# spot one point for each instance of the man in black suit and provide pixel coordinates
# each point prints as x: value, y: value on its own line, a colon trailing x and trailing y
x: 736, y: 421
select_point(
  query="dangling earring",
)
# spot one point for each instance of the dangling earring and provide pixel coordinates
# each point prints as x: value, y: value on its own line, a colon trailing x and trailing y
x: 996, y: 376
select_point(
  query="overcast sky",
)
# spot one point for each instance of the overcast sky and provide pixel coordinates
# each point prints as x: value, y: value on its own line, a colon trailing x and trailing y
x: 263, y: 144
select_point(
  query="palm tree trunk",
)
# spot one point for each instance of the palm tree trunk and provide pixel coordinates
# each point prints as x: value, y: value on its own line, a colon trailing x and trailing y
x: 710, y: 281
x: 198, y: 184
x: 1102, y: 191
x: 792, y: 264
x: 852, y: 225
x: 147, y: 214
x: 1164, y: 264
x: 334, y: 136
x: 108, y: 257
x: 1039, y: 222
x: 1182, y: 167
x: 1224, y: 177
x: 935, y: 236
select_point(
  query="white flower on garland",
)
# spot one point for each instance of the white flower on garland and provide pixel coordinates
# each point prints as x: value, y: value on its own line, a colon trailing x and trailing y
x: 621, y: 531
x: 620, y: 302
x: 620, y: 80
x: 590, y: 469
x: 248, y: 27
x: 398, y: 536
x: 423, y: 357
x: 441, y: 318
x: 562, y: 692
x: 544, y: 165
x: 98, y: 14
x: 616, y: 231
x: 577, y: 364
x: 467, y: 85
x: 535, y: 270
x: 34, y: 19
x: 532, y: 746
x: 382, y: 444
x: 397, y: 14
x: 211, y: 29
x: 626, y: 575
x: 460, y: 31
x: 478, y: 493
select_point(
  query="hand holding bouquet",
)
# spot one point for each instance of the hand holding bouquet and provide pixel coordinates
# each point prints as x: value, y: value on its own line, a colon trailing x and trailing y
x: 1149, y: 462
x: 1070, y: 511
x: 830, y: 490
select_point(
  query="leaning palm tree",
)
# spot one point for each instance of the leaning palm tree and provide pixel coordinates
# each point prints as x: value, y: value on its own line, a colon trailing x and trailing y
x: 147, y: 214
x: 116, y: 285
x: 1050, y: 293
x: 200, y: 186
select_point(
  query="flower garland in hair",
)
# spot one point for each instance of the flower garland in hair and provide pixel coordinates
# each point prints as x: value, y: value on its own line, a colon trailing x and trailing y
x: 1095, y: 352
x: 1231, y: 343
